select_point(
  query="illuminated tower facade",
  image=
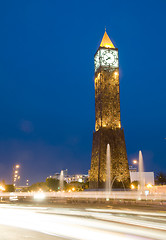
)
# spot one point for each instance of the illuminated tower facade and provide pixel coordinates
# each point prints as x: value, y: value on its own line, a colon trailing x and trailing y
x: 108, y: 124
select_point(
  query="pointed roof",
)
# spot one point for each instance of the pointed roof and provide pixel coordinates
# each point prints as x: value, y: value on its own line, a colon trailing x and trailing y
x: 106, y: 42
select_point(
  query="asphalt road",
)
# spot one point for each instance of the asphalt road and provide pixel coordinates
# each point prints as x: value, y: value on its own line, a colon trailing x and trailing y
x: 13, y: 233
x: 19, y: 222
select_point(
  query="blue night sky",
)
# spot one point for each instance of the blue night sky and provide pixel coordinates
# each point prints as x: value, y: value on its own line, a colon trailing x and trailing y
x: 47, y: 107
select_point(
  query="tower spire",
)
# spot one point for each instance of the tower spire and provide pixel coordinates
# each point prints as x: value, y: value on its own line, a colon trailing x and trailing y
x: 106, y: 42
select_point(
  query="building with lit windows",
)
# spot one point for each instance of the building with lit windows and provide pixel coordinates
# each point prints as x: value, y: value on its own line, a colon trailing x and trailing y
x: 82, y: 178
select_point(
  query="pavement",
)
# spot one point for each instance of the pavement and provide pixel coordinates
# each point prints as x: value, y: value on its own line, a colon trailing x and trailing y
x: 86, y: 222
x: 13, y: 233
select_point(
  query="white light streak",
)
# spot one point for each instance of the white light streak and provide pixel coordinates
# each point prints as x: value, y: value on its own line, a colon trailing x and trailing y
x: 76, y: 226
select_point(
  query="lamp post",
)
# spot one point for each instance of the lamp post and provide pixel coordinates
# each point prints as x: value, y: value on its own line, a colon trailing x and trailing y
x: 16, y: 176
x: 27, y: 182
x: 135, y: 162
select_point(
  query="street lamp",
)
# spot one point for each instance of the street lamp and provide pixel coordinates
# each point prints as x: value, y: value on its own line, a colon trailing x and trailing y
x: 135, y: 161
x: 27, y: 182
x: 16, y: 176
x: 132, y: 186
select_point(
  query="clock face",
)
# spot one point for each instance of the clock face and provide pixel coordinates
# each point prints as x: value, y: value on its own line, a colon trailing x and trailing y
x: 97, y: 61
x: 109, y: 57
x: 106, y: 57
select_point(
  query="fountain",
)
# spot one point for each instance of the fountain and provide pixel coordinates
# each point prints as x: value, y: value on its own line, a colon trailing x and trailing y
x: 61, y: 181
x: 108, y: 169
x: 141, y: 174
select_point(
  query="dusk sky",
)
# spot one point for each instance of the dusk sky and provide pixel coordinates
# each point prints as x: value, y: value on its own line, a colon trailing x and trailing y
x: 47, y: 102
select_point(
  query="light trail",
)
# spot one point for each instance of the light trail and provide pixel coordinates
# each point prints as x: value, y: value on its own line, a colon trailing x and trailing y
x: 83, y: 224
x: 130, y: 195
x: 74, y: 228
x: 128, y: 211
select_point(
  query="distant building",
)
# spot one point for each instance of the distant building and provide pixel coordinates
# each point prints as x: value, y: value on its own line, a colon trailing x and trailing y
x: 82, y: 178
x: 148, y: 176
x: 132, y: 168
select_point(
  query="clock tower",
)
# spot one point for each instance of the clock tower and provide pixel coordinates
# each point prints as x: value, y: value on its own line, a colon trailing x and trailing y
x: 108, y: 124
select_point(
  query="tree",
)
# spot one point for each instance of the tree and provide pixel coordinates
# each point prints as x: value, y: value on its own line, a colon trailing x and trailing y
x: 160, y: 178
x: 39, y: 186
x: 52, y: 184
x: 9, y: 188
x: 135, y: 184
x: 77, y: 186
x: 3, y: 182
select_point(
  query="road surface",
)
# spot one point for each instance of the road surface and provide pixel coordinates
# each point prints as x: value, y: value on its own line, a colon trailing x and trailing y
x: 52, y: 223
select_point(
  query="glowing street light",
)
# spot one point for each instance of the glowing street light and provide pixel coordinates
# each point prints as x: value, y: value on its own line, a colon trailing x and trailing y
x: 132, y: 186
x: 2, y: 188
x: 135, y: 161
x: 27, y: 182
x: 16, y: 176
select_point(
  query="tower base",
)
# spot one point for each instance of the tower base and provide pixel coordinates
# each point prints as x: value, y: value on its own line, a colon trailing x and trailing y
x: 119, y: 163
